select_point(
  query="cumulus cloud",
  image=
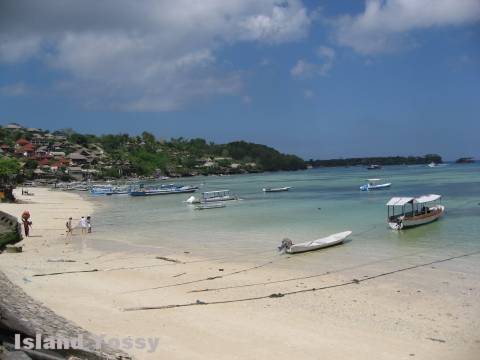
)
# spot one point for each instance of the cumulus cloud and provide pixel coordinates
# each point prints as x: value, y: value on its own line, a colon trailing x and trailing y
x: 305, y: 69
x: 384, y: 24
x: 144, y: 55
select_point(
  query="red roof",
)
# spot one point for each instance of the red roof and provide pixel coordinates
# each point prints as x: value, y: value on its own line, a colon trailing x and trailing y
x: 43, y: 162
x: 4, y: 146
x: 22, y: 142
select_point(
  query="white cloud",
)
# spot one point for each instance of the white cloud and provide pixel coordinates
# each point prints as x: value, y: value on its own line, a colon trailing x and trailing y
x: 17, y: 89
x: 145, y: 55
x: 305, y: 69
x: 385, y: 24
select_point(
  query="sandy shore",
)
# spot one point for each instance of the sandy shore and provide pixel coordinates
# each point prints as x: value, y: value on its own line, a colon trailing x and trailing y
x: 430, y: 312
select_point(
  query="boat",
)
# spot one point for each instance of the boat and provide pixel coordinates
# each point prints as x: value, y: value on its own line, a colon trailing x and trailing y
x: 213, y: 196
x: 432, y: 165
x: 321, y: 243
x: 207, y: 206
x: 415, y: 211
x: 374, y: 167
x: 163, y: 190
x: 372, y: 184
x: 280, y: 189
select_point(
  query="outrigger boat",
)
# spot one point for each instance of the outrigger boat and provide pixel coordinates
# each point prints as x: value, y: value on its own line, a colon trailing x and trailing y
x: 164, y: 190
x: 286, y: 188
x: 415, y: 211
x: 372, y: 184
x: 207, y: 206
x: 321, y: 243
x: 213, y: 196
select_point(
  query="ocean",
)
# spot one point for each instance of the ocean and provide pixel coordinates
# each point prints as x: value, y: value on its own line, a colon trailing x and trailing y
x: 321, y: 202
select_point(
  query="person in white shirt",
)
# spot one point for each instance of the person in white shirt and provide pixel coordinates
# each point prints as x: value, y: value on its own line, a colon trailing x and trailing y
x: 83, y: 224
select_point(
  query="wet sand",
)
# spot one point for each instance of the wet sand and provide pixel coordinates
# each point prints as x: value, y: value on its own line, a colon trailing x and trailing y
x: 429, y: 312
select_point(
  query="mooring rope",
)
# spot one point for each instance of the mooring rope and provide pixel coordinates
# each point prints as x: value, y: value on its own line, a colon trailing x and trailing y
x: 279, y: 295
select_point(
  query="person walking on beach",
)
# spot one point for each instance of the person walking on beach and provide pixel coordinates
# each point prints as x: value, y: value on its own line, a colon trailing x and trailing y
x: 27, y: 223
x: 83, y: 225
x: 68, y: 224
x: 89, y: 224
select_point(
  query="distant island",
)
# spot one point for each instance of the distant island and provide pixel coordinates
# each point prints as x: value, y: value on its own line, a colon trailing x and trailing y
x: 64, y: 155
x: 386, y: 160
x: 465, y: 160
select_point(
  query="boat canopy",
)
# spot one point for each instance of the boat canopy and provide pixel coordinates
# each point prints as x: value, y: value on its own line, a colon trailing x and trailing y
x: 373, y: 180
x: 427, y: 198
x: 399, y: 201
x: 216, y: 192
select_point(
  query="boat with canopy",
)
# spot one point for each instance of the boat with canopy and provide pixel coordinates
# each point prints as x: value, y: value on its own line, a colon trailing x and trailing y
x: 414, y: 211
x: 213, y: 196
x: 373, y: 184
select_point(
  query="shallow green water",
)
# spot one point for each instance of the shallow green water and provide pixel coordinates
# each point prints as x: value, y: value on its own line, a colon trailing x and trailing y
x: 322, y: 201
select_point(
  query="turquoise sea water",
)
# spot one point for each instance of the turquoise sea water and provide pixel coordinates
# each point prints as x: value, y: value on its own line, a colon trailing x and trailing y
x: 321, y: 202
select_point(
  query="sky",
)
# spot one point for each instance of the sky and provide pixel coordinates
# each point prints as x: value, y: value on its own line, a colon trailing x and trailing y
x: 320, y: 79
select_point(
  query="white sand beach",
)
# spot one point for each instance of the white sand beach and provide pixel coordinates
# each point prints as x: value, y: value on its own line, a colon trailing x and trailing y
x: 429, y: 312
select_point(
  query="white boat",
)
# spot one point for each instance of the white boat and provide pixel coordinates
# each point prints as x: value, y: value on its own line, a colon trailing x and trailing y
x: 321, y: 243
x: 207, y: 206
x: 213, y: 196
x: 280, y: 189
x: 372, y: 184
x: 415, y: 211
x: 432, y: 164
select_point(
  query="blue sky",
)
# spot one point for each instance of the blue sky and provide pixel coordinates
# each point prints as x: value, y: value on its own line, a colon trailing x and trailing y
x: 320, y: 79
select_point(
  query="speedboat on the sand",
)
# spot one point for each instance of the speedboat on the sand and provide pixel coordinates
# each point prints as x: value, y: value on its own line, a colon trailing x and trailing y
x: 321, y: 243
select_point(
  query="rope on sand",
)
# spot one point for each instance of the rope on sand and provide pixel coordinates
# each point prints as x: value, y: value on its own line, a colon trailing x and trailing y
x: 279, y: 295
x: 201, y: 280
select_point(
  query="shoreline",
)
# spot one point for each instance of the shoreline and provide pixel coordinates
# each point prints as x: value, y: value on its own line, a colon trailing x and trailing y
x: 430, y: 313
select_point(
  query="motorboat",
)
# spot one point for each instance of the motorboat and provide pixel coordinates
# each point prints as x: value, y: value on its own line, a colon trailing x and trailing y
x: 207, y: 206
x: 414, y: 211
x: 317, y: 244
x: 213, y: 196
x: 280, y: 189
x: 165, y: 190
x: 374, y: 167
x: 373, y: 184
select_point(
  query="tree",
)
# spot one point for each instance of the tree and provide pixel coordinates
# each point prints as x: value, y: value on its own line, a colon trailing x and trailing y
x: 9, y: 169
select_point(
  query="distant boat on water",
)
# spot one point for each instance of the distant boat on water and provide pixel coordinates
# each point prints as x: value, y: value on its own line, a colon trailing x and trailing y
x: 414, y: 211
x: 280, y: 189
x: 207, y: 206
x: 213, y: 196
x: 164, y: 190
x: 374, y: 167
x: 372, y: 184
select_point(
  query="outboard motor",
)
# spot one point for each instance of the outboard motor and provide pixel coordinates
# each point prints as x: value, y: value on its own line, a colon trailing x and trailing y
x: 286, y: 244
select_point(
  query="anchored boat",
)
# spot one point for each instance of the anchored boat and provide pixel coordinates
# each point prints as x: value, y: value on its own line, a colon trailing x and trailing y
x: 280, y: 189
x: 372, y: 184
x: 321, y: 243
x: 414, y: 211
x: 164, y: 190
x: 213, y: 196
x: 207, y: 206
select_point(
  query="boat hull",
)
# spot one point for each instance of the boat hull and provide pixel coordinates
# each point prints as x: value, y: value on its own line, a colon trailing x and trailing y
x: 269, y: 190
x: 367, y: 187
x: 408, y: 222
x: 328, y: 241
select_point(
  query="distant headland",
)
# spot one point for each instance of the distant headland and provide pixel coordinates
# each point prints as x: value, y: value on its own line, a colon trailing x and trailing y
x: 65, y: 155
